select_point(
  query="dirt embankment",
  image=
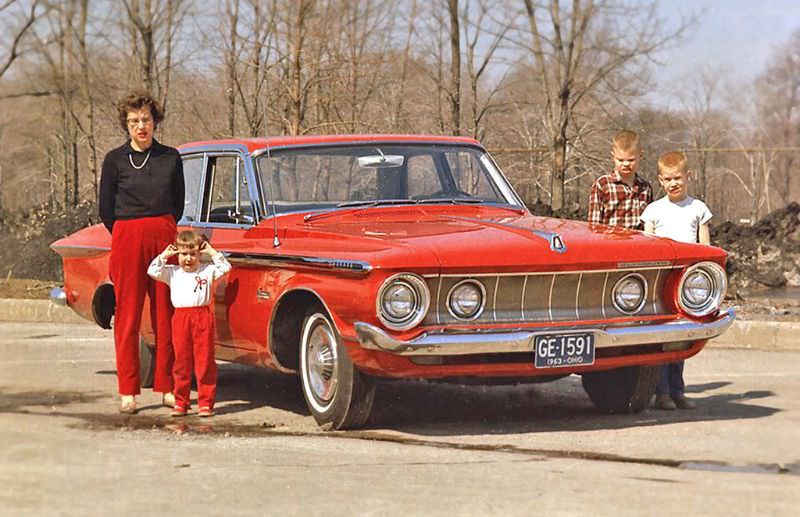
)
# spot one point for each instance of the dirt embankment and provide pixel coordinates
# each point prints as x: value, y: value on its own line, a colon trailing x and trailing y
x: 766, y: 254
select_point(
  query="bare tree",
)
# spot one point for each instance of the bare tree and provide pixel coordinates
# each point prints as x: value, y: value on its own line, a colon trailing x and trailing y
x: 454, y: 94
x: 296, y: 23
x: 779, y: 92
x: 360, y: 46
x: 575, y: 50
x: 405, y: 60
x: 18, y: 30
x: 152, y: 26
x: 474, y: 29
x: 704, y: 124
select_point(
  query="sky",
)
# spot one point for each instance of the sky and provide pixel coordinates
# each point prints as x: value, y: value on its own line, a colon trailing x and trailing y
x: 738, y: 35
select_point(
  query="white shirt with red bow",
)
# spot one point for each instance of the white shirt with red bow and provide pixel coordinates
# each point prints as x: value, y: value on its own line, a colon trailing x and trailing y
x: 190, y: 289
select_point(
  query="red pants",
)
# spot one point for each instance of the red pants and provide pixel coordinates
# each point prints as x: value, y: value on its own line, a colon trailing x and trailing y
x: 134, y: 243
x: 193, y: 339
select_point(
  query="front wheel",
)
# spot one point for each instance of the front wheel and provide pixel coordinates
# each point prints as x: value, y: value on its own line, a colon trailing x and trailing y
x: 623, y: 390
x: 337, y: 394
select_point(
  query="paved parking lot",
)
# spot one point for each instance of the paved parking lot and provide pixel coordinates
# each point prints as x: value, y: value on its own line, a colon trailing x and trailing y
x: 431, y: 448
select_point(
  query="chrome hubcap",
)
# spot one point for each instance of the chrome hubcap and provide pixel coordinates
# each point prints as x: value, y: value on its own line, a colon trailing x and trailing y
x: 322, y: 361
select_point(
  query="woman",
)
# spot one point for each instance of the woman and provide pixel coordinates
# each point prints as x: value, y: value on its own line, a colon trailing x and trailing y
x: 141, y: 199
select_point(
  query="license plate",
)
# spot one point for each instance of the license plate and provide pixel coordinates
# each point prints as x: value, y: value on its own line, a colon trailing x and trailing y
x: 563, y: 350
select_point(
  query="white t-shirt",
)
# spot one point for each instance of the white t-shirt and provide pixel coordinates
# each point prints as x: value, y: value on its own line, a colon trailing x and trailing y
x: 677, y: 221
x: 189, y: 289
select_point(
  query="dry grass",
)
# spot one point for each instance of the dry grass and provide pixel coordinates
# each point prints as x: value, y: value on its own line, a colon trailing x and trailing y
x: 26, y: 288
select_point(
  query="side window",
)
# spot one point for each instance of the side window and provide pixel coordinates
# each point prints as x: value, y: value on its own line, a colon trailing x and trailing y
x: 229, y: 199
x: 192, y: 178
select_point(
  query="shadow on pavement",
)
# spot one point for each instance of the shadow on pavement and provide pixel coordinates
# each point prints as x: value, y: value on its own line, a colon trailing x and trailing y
x: 20, y: 401
x: 435, y: 409
x: 423, y: 408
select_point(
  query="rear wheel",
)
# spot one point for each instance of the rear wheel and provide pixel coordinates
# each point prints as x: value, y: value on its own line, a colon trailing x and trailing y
x: 337, y: 394
x: 147, y: 363
x: 623, y: 390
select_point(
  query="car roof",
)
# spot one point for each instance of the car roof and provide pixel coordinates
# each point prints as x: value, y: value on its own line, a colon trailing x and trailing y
x: 255, y: 144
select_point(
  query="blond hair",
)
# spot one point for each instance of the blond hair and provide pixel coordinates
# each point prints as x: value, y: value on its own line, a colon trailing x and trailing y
x: 674, y: 161
x: 626, y: 141
x: 189, y: 239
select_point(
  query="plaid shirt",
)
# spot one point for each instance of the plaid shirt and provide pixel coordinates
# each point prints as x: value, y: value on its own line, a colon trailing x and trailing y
x: 614, y: 203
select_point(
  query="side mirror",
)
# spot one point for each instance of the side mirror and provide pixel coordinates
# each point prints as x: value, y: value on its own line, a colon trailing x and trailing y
x: 239, y: 218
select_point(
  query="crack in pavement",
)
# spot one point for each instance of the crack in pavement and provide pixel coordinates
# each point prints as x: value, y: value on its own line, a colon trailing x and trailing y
x: 103, y: 421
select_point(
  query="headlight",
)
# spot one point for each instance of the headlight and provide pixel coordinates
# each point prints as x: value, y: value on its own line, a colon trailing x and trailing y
x: 403, y: 301
x: 466, y: 300
x: 629, y: 293
x: 702, y: 288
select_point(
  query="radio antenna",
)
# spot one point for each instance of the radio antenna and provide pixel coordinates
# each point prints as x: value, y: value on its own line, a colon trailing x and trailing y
x: 276, y: 242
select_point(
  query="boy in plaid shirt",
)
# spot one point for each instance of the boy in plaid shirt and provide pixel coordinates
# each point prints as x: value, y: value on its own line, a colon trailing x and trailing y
x: 619, y: 198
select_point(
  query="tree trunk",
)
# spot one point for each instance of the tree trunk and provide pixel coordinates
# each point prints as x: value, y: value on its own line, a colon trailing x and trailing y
x: 455, y: 67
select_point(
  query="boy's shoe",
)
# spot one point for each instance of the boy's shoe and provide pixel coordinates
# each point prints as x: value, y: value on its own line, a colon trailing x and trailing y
x: 178, y: 411
x: 664, y: 401
x: 681, y: 402
x: 168, y: 399
x: 127, y: 404
x: 205, y: 412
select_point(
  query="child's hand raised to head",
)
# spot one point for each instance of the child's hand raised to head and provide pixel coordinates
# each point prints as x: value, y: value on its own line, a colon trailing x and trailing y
x: 207, y: 249
x: 169, y: 251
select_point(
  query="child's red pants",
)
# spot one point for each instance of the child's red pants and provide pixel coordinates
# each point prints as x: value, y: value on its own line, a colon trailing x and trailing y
x: 134, y: 243
x: 193, y: 339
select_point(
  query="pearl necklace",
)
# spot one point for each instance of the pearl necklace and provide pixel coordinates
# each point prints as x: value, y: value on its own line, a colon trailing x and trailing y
x: 130, y: 159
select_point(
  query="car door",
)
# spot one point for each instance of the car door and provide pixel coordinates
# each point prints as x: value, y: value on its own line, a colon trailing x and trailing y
x: 220, y: 204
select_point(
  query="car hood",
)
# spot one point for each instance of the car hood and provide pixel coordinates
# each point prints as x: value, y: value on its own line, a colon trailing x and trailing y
x: 475, y: 239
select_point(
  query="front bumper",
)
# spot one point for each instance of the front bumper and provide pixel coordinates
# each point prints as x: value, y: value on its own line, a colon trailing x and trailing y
x: 494, y: 342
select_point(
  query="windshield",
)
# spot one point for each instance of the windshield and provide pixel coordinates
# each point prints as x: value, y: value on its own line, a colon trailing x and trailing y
x: 327, y: 177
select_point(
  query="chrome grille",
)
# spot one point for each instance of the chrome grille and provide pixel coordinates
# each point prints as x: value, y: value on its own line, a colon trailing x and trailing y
x: 545, y: 297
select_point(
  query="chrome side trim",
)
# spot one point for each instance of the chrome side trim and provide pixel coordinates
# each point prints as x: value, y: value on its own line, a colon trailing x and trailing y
x: 264, y: 259
x: 532, y: 273
x: 468, y: 343
x: 645, y: 264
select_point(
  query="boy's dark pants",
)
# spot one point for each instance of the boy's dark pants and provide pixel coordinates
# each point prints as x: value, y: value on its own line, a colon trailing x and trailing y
x: 670, y: 379
x: 193, y: 339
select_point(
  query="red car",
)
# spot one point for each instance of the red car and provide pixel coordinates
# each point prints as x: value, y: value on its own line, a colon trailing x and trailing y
x: 358, y: 257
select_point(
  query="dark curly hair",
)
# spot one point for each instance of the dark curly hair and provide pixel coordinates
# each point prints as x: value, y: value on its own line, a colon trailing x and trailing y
x: 136, y: 101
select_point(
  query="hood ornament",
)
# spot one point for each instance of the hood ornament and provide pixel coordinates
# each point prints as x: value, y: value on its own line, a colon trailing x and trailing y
x: 555, y: 240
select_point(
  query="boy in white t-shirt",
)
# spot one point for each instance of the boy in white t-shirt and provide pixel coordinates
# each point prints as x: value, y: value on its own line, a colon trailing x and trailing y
x: 683, y: 218
x: 191, y: 288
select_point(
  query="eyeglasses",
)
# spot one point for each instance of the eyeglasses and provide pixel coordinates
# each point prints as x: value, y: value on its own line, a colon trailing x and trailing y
x: 134, y: 122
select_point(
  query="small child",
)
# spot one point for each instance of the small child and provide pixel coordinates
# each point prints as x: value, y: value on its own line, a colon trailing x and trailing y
x: 191, y: 286
x: 618, y: 199
x: 683, y: 218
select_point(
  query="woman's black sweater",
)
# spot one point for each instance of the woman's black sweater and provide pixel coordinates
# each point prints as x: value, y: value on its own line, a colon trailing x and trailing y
x: 155, y: 189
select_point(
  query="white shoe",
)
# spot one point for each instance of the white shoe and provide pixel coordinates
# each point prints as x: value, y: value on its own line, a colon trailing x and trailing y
x: 127, y: 404
x: 168, y: 399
